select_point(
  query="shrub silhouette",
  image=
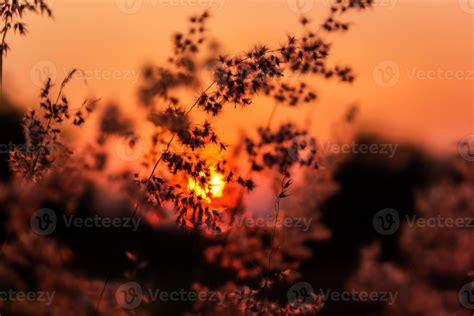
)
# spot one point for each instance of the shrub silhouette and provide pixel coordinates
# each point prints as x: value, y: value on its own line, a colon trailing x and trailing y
x: 12, y: 13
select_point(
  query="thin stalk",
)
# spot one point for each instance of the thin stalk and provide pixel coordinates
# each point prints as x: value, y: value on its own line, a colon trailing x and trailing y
x: 236, y: 209
x: 150, y: 177
x: 3, y: 52
x: 272, y: 115
x: 277, y: 213
x: 48, y: 125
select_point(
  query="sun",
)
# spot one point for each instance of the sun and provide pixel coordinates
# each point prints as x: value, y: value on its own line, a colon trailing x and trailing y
x: 214, y: 189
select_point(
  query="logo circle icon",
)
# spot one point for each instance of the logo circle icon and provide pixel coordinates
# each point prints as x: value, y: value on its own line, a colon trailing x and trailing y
x: 42, y: 71
x: 208, y: 71
x: 302, y: 151
x: 386, y: 221
x: 294, y: 151
x: 50, y: 3
x: 466, y: 148
x: 128, y: 148
x: 300, y: 6
x: 386, y: 74
x: 467, y: 6
x: 301, y: 293
x: 466, y: 295
x: 129, y: 295
x: 44, y: 221
x: 129, y: 6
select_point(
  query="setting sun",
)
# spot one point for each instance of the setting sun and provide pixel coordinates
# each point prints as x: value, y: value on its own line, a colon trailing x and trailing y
x: 214, y: 188
x: 231, y: 156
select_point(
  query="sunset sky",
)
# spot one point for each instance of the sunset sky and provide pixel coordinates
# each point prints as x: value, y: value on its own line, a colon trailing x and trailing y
x: 413, y: 59
x: 184, y: 169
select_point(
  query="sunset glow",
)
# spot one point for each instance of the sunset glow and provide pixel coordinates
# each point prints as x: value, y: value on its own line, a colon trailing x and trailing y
x: 214, y: 189
x: 207, y: 157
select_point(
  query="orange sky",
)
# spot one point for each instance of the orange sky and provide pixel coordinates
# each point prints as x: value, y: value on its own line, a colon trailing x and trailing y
x: 425, y: 94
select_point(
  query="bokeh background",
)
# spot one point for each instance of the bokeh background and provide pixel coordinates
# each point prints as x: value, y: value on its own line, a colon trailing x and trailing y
x: 413, y: 59
x: 414, y: 89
